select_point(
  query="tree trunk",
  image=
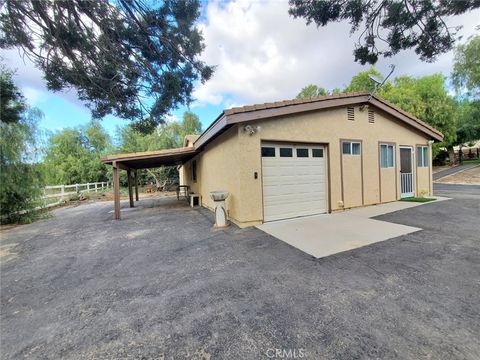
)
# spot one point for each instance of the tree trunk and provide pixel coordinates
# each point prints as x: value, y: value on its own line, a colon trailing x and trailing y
x: 158, y: 184
x: 451, y: 154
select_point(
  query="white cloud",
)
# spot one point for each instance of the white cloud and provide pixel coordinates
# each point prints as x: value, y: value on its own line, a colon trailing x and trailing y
x: 263, y: 54
x: 30, y: 79
x: 171, y: 118
x: 33, y: 96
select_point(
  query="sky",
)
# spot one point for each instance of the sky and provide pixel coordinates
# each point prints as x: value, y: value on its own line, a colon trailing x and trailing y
x: 261, y: 54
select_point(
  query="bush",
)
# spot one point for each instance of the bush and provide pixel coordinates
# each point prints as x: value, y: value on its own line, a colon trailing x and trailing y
x: 20, y: 177
x: 441, y: 158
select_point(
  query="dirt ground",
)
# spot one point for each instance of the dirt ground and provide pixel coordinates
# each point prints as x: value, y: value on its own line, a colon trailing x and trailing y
x: 162, y: 283
x: 470, y: 177
x: 437, y: 169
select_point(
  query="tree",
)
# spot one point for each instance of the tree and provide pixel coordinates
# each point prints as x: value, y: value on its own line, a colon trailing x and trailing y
x: 166, y: 136
x: 12, y: 102
x: 466, y: 68
x: 362, y: 82
x: 73, y: 155
x: 400, y: 25
x: 126, y: 57
x: 20, y: 178
x: 310, y: 91
x: 468, y: 123
x: 426, y: 98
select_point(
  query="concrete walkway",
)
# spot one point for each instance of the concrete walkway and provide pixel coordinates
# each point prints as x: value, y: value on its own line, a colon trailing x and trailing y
x: 328, y: 234
x: 453, y: 170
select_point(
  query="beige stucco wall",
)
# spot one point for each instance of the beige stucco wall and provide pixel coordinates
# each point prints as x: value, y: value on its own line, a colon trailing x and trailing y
x: 230, y: 161
x: 217, y: 169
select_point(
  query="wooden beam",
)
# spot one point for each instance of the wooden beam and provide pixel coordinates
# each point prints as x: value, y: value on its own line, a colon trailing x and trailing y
x: 116, y: 191
x: 121, y: 166
x: 136, y: 184
x: 130, y: 191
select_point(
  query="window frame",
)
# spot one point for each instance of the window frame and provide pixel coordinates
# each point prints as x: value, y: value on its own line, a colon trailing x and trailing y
x: 387, y: 156
x: 422, y: 156
x: 359, y: 143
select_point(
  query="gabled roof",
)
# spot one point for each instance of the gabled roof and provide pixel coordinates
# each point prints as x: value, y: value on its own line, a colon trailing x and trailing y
x: 288, y: 107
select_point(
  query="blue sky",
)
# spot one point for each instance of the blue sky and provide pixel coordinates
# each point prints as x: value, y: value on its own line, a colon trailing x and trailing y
x: 261, y: 54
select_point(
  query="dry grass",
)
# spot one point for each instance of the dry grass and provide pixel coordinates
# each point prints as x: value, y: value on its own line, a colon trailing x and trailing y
x: 437, y: 169
x: 469, y: 176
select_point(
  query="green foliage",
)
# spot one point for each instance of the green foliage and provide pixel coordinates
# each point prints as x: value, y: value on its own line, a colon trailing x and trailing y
x: 125, y: 57
x: 311, y: 91
x: 399, y: 25
x: 166, y: 136
x: 12, y: 102
x: 426, y: 98
x: 20, y: 177
x: 466, y: 69
x: 361, y: 82
x: 468, y: 123
x: 73, y: 155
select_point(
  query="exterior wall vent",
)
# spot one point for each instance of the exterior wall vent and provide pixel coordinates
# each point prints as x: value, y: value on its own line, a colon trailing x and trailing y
x: 351, y: 113
x: 371, y: 116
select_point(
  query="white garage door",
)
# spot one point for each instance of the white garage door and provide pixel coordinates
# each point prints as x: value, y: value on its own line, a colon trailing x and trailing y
x: 293, y: 180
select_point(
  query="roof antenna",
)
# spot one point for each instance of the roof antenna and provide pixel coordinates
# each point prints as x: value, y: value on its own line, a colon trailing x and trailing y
x: 379, y: 81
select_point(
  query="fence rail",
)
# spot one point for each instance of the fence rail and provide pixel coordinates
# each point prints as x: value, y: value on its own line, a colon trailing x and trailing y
x: 66, y: 190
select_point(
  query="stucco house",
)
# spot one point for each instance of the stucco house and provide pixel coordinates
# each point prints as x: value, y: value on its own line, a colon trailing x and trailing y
x: 302, y: 157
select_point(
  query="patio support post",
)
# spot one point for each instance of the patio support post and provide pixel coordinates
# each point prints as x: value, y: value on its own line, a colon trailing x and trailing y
x: 136, y: 184
x: 116, y: 190
x: 130, y: 190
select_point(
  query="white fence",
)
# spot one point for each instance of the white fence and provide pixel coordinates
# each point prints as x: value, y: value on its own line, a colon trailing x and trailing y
x: 65, y: 191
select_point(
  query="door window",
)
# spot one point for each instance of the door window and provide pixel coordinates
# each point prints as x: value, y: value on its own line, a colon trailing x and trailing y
x: 405, y: 160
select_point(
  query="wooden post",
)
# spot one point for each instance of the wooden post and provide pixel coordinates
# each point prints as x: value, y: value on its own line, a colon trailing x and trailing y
x: 136, y: 185
x: 130, y: 191
x: 62, y: 192
x: 116, y: 190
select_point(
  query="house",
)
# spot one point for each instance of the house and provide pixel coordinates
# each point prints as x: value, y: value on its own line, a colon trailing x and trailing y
x: 302, y: 157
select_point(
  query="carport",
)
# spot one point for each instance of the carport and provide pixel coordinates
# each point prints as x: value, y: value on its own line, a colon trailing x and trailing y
x: 132, y: 162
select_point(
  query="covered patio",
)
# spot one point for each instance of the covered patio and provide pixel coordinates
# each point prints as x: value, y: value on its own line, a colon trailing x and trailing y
x: 132, y: 162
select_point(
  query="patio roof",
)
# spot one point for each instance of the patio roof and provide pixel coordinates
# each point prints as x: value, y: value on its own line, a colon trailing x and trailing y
x: 152, y: 159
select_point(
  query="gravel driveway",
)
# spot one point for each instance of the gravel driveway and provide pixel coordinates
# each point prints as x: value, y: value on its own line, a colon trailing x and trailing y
x: 161, y: 284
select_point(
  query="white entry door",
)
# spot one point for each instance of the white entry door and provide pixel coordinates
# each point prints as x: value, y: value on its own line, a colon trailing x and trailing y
x: 406, y: 172
x: 293, y: 180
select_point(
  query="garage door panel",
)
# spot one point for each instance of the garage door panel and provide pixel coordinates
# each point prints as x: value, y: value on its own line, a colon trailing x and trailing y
x: 296, y: 199
x: 293, y: 186
x: 308, y: 188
